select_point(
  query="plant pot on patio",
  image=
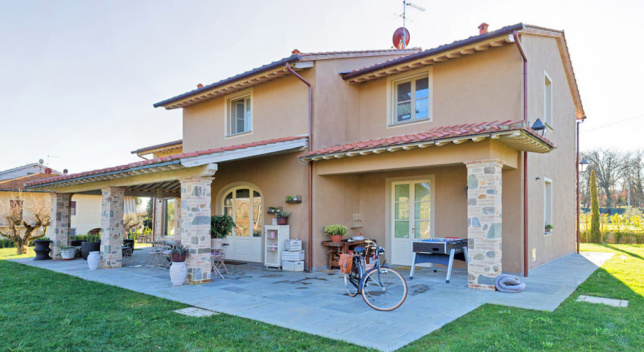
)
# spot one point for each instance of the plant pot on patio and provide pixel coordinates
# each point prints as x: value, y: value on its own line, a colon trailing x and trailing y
x: 76, y: 243
x: 94, y: 260
x: 68, y: 252
x: 42, y: 249
x: 178, y: 270
x: 336, y: 232
x: 336, y: 238
x: 87, y: 247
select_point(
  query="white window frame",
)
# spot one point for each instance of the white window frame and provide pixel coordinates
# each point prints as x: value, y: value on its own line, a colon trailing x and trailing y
x: 248, y: 93
x: 548, y: 214
x: 394, y: 81
x: 548, y: 94
x: 233, y: 189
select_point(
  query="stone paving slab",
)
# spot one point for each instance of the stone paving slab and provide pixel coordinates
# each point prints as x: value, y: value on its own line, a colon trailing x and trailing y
x: 316, y: 302
x: 602, y: 300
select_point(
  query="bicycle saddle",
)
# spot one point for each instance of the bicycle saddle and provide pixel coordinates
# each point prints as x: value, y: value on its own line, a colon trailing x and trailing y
x: 359, y: 250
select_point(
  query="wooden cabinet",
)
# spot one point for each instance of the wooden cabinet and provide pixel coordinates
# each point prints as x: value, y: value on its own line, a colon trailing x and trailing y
x: 274, y: 237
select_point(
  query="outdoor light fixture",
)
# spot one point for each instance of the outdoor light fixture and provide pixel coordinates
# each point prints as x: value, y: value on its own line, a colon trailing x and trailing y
x: 583, y: 165
x: 539, y: 126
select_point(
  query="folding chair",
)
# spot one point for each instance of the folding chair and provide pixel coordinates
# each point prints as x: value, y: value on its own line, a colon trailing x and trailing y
x: 219, y: 257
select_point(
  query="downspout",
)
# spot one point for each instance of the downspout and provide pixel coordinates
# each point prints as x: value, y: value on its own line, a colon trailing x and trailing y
x: 515, y: 34
x: 577, y: 173
x: 310, y: 168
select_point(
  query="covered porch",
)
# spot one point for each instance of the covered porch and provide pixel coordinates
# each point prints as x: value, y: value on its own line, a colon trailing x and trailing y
x: 187, y: 178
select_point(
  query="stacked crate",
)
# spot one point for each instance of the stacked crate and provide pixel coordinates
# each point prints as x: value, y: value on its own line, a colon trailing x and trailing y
x: 293, y: 255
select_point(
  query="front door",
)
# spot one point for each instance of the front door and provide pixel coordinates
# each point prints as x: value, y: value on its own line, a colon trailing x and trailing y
x: 411, y: 218
x: 244, y: 204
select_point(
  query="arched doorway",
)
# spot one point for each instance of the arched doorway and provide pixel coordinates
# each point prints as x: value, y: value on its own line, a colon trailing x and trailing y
x: 245, y: 205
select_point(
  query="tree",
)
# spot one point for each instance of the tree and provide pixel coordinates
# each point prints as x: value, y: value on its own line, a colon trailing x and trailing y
x: 609, y: 166
x: 131, y: 221
x: 23, y: 227
x: 595, y: 234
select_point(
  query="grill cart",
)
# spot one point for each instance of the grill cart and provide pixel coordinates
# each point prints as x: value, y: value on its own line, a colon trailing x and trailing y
x: 439, y: 251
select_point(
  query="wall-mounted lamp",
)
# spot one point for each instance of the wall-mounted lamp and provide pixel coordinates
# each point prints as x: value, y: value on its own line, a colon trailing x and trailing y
x: 583, y: 165
x: 539, y: 126
x: 537, y: 178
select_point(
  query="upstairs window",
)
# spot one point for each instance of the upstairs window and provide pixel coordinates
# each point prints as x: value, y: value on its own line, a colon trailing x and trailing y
x: 239, y: 119
x: 412, y: 100
x: 547, y: 103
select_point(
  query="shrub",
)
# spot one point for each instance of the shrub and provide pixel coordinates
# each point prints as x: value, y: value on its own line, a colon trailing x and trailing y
x: 221, y: 225
x: 336, y: 230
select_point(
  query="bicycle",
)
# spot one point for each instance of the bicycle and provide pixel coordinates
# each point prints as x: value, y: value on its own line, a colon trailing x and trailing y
x: 382, y: 288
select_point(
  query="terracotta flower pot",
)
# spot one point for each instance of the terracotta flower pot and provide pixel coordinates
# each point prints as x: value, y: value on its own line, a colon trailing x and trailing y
x: 336, y: 238
x: 282, y: 221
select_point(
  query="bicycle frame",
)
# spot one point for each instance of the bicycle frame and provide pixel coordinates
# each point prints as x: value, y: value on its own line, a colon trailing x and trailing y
x: 363, y: 273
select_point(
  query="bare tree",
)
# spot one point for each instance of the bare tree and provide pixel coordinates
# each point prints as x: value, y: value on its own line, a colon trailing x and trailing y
x: 634, y: 177
x: 610, y: 166
x: 130, y: 222
x: 23, y: 218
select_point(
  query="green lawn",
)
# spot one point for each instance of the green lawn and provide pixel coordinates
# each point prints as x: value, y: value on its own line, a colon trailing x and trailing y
x: 43, y: 310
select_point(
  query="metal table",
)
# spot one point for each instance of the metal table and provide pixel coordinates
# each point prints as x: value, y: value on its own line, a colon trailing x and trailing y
x: 439, y: 251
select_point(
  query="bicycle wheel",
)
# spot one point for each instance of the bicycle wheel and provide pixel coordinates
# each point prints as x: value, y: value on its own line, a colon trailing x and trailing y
x: 352, y: 280
x: 384, y: 289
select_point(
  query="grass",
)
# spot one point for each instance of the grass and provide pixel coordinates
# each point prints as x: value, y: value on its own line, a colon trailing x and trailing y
x: 43, y: 310
x: 574, y: 326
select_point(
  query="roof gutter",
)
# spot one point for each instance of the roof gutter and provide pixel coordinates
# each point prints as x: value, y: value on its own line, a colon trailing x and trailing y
x: 435, y: 51
x: 271, y: 66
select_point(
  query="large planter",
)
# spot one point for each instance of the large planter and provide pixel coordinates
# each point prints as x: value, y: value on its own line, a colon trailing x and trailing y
x: 336, y: 238
x: 94, y: 260
x: 42, y: 250
x: 87, y: 247
x: 76, y: 243
x: 282, y: 221
x: 68, y: 254
x: 178, y: 273
x: 216, y: 243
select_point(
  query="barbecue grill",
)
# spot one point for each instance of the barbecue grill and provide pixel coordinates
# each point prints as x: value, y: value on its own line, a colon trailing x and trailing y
x: 439, y: 251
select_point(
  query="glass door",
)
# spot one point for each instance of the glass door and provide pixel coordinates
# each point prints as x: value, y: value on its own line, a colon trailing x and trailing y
x: 411, y: 217
x: 244, y: 205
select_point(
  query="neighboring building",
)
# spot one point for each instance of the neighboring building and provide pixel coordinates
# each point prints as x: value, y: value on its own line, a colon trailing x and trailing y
x: 400, y: 145
x: 29, y: 169
x: 159, y: 150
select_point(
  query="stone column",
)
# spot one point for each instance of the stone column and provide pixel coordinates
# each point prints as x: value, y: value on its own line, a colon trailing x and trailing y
x: 112, y: 227
x: 484, y: 220
x: 177, y: 217
x: 60, y: 222
x: 195, y: 227
x: 157, y: 231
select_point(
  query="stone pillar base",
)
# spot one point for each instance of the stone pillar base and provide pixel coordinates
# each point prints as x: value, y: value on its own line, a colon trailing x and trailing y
x: 112, y: 227
x: 195, y: 227
x: 484, y: 223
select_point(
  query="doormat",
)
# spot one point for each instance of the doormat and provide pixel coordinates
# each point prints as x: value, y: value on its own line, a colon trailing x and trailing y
x: 195, y: 312
x: 228, y: 262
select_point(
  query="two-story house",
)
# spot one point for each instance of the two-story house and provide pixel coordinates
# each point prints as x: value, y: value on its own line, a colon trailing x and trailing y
x: 400, y: 145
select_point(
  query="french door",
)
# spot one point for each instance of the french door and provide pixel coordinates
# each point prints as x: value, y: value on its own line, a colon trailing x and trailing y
x: 411, y: 217
x: 244, y: 205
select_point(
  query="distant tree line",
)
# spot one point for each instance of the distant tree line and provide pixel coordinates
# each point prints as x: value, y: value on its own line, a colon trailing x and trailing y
x: 620, y: 178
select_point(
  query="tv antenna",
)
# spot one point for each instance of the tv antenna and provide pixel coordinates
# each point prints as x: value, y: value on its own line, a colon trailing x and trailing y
x: 51, y: 156
x: 401, y: 35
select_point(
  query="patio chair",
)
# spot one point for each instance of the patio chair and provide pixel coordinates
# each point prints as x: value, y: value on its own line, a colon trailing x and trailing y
x: 214, y: 265
x: 127, y: 252
x: 219, y: 257
x: 154, y: 256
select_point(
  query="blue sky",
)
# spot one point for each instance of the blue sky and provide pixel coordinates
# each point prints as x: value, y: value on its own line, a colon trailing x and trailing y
x: 78, y: 78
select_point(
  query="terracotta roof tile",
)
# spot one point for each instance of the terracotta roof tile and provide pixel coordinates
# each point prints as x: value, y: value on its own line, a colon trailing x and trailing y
x: 433, y: 134
x: 18, y: 183
x: 163, y: 159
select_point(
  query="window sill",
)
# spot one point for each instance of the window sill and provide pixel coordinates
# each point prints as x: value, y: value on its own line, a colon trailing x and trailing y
x: 237, y: 134
x: 408, y: 122
x: 548, y: 233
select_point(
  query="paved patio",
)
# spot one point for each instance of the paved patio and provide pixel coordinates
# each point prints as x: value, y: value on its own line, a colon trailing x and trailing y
x: 316, y: 302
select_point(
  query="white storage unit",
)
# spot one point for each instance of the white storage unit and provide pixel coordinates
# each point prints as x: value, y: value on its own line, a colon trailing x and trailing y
x: 293, y: 245
x: 293, y: 255
x: 293, y: 265
x: 274, y: 236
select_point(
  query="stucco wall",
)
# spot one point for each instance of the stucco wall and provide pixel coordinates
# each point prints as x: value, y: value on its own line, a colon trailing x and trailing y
x: 88, y: 213
x: 559, y: 165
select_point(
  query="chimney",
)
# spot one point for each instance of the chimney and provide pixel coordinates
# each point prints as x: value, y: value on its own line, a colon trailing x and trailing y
x: 65, y: 172
x: 199, y: 86
x: 483, y: 28
x: 295, y: 52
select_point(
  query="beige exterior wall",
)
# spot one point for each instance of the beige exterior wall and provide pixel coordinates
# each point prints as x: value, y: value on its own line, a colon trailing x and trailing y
x: 88, y: 213
x: 559, y: 165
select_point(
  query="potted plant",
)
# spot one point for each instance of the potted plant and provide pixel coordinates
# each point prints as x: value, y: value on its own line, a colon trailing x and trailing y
x: 336, y: 232
x: 91, y: 244
x: 220, y: 227
x: 549, y: 228
x: 42, y: 248
x: 282, y: 217
x: 68, y: 252
x: 178, y: 270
